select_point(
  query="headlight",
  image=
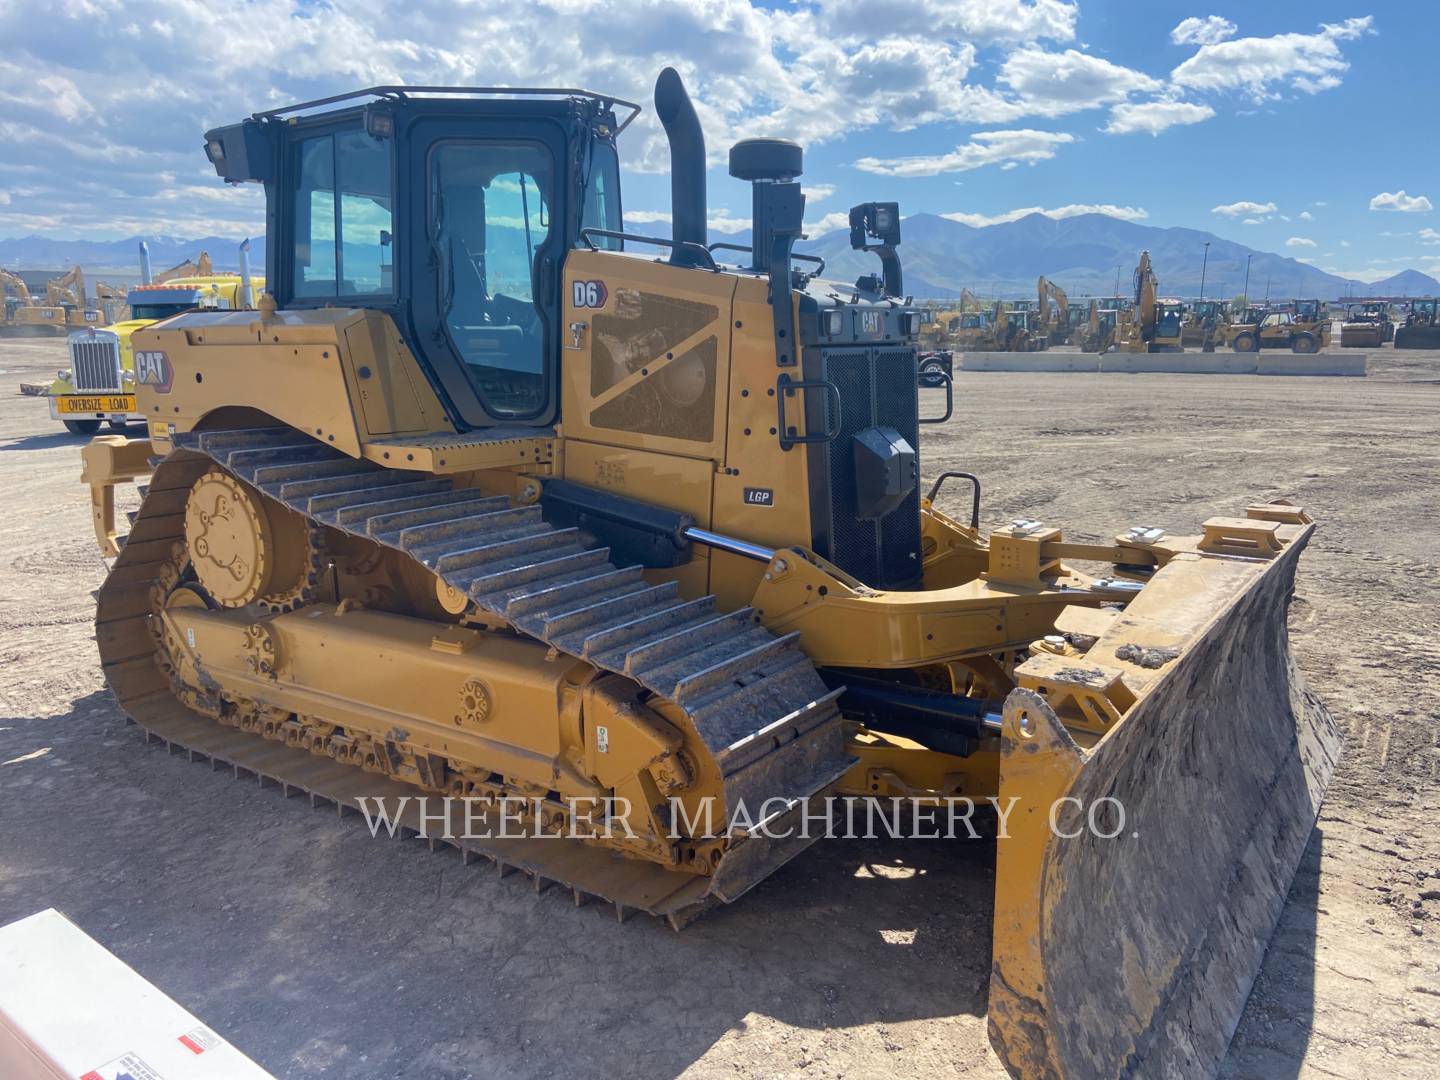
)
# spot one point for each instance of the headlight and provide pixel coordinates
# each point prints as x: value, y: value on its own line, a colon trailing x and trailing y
x: 834, y: 323
x: 65, y: 373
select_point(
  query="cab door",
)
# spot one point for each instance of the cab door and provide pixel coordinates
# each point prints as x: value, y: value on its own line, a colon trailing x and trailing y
x: 489, y: 212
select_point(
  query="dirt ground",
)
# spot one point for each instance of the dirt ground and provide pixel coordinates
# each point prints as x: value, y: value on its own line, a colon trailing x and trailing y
x: 322, y: 952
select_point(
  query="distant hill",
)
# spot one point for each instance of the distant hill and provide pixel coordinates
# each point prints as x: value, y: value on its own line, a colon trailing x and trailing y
x: 1081, y: 254
x: 1405, y: 283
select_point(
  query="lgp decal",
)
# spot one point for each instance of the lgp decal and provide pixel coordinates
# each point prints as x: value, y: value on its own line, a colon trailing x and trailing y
x: 589, y: 294
x: 759, y: 496
x: 152, y: 368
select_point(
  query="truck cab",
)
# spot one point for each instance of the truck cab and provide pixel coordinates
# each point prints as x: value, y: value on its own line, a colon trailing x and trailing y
x: 99, y: 384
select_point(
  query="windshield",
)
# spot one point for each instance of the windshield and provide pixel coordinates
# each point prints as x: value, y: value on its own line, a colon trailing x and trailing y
x: 158, y: 311
x: 489, y: 213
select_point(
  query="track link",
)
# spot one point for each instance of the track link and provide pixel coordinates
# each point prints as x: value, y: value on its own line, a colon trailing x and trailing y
x: 754, y: 698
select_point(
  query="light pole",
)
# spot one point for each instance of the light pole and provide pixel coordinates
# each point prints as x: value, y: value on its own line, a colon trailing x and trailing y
x: 1203, y: 265
x: 1247, y: 277
x: 1117, y: 278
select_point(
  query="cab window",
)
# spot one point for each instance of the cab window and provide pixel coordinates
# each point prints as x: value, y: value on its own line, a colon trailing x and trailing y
x: 602, y: 196
x: 490, y: 206
x: 343, y: 216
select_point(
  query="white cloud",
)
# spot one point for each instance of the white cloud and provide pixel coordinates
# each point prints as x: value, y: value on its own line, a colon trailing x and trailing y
x: 721, y: 221
x: 1398, y: 200
x: 1344, y: 243
x: 1125, y: 213
x: 1429, y: 236
x: 1210, y: 30
x: 1244, y: 206
x: 1300, y: 241
x: 1305, y: 215
x: 1154, y: 117
x: 1259, y: 66
x: 981, y: 21
x: 818, y: 192
x: 984, y: 148
x: 1052, y: 84
x: 1253, y: 221
x: 836, y: 219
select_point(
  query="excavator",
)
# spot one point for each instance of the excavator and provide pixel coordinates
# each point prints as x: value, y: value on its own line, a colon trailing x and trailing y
x: 201, y: 267
x: 1421, y: 328
x: 15, y: 294
x: 27, y: 317
x: 487, y: 501
x: 1097, y: 333
x: 1052, y: 312
x: 1152, y: 325
x: 114, y: 302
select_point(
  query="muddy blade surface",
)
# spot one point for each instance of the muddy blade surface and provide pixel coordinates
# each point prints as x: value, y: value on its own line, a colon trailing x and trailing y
x: 1134, y: 956
x: 1417, y: 337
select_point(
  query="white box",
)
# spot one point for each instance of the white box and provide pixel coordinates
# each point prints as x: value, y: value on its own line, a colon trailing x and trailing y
x: 69, y: 1009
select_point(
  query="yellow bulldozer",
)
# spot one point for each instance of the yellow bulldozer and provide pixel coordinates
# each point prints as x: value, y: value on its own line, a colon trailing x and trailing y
x: 1151, y: 325
x: 1421, y: 328
x: 632, y: 555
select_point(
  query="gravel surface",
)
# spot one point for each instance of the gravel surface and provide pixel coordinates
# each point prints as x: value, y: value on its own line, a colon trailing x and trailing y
x: 322, y: 952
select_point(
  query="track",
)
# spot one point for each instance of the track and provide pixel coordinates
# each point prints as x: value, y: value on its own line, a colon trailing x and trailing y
x: 754, y: 698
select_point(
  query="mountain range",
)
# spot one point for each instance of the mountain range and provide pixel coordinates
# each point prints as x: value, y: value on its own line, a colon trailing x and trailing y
x: 1086, y: 255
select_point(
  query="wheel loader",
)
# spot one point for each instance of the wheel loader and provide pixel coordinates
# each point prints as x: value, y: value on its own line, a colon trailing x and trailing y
x: 493, y: 499
x: 1421, y: 328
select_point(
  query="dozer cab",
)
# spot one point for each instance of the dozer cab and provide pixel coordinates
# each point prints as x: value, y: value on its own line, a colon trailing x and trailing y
x: 1367, y: 325
x: 1421, y: 329
x: 488, y: 501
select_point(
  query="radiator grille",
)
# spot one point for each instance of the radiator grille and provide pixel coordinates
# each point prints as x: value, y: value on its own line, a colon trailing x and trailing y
x: 877, y: 389
x: 95, y: 362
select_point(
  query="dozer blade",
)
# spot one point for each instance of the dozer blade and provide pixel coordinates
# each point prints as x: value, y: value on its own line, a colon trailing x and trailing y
x: 1134, y: 956
x: 1417, y: 337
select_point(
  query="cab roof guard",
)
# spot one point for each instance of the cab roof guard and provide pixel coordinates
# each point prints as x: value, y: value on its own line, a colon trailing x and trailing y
x: 404, y: 93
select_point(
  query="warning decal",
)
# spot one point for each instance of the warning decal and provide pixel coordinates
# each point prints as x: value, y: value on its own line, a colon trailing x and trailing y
x: 199, y: 1039
x: 125, y: 1067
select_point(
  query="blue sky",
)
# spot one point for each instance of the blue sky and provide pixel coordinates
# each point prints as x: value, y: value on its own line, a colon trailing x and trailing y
x: 1219, y: 116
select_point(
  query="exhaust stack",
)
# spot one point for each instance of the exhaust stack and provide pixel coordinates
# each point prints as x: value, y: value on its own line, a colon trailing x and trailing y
x: 146, y: 277
x: 687, y: 166
x: 247, y: 286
